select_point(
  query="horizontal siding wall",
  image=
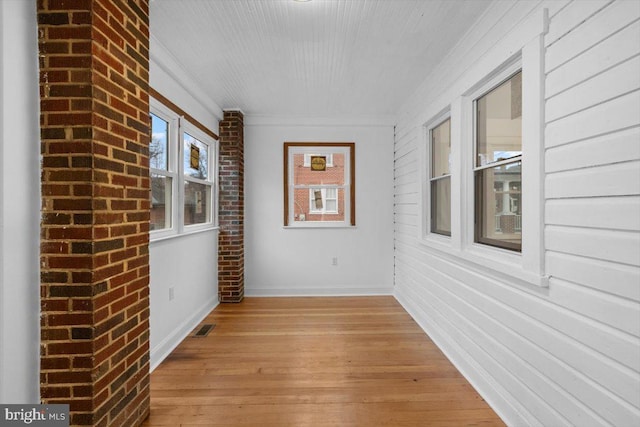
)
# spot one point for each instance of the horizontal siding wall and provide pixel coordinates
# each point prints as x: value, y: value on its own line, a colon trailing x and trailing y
x: 568, y: 354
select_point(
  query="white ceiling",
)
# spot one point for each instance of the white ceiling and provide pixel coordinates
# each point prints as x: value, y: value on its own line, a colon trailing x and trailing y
x: 318, y: 58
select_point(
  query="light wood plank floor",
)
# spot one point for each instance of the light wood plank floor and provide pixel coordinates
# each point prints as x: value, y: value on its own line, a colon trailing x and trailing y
x: 313, y: 362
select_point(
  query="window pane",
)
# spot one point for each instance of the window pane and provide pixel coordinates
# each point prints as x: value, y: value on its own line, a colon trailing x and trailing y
x: 499, y: 207
x: 440, y: 149
x: 196, y: 157
x: 441, y: 206
x: 316, y: 204
x: 305, y: 174
x: 160, y: 202
x: 499, y: 122
x: 158, y: 146
x: 197, y: 201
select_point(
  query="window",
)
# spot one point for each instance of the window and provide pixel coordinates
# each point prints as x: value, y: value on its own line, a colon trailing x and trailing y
x: 498, y: 165
x: 197, y: 180
x: 161, y: 176
x: 182, y: 192
x: 440, y: 178
x: 496, y: 170
x: 323, y: 200
x: 319, y: 187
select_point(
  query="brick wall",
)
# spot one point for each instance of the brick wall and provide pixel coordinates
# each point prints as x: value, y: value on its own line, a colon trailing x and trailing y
x: 231, y: 208
x: 95, y: 209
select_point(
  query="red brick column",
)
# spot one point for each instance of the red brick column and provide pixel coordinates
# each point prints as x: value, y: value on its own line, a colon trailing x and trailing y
x: 231, y: 216
x: 95, y: 209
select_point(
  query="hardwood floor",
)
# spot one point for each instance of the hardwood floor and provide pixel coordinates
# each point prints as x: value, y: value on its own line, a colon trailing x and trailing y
x: 313, y: 362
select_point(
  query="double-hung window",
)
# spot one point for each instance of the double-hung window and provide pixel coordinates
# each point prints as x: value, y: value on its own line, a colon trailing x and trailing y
x: 440, y: 178
x: 162, y: 168
x: 182, y: 162
x: 198, y: 182
x: 492, y: 167
x: 319, y: 187
x: 498, y: 165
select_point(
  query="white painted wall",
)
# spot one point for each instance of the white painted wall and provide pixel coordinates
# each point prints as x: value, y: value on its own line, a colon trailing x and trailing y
x: 186, y: 263
x: 19, y: 204
x: 281, y: 261
x: 568, y: 354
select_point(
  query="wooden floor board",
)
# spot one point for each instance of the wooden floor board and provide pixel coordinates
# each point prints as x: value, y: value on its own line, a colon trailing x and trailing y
x: 349, y: 361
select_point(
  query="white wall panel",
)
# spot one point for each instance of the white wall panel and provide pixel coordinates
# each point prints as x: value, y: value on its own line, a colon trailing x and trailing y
x: 593, y: 29
x: 595, y: 121
x: 298, y: 261
x: 610, y: 148
x: 188, y: 265
x: 19, y: 204
x: 571, y: 16
x: 617, y: 81
x: 618, y: 179
x: 614, y: 213
x: 568, y: 354
x: 612, y: 51
x: 608, y: 277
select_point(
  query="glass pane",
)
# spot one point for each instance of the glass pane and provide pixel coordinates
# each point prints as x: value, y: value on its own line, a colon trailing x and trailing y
x: 160, y: 202
x: 441, y: 149
x: 310, y: 173
x: 158, y: 146
x: 312, y: 204
x: 196, y: 157
x: 498, y: 197
x: 441, y: 206
x: 197, y: 202
x: 499, y: 122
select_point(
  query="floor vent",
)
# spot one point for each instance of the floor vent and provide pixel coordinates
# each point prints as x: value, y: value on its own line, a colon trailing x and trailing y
x: 204, y: 330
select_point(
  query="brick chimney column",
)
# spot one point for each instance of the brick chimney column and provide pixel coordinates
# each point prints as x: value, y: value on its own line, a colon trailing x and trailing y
x: 94, y: 253
x: 231, y: 201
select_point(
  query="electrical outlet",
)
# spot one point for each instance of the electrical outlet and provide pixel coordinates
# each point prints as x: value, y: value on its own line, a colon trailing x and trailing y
x: 334, y: 261
x: 171, y: 293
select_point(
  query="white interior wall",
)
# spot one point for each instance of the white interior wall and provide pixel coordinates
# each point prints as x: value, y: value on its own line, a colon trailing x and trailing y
x: 19, y: 204
x: 187, y: 263
x: 289, y: 261
x: 568, y: 354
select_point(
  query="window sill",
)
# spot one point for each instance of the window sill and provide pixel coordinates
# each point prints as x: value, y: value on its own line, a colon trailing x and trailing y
x: 311, y: 225
x: 495, y: 263
x: 163, y: 235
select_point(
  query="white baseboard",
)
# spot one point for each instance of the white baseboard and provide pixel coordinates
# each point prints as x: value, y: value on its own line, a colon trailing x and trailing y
x: 164, y: 348
x: 317, y: 292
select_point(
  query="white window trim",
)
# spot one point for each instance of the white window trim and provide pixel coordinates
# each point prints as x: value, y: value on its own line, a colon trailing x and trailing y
x: 172, y: 118
x: 437, y: 240
x: 315, y: 150
x: 526, y: 267
x: 212, y: 173
x: 175, y: 169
